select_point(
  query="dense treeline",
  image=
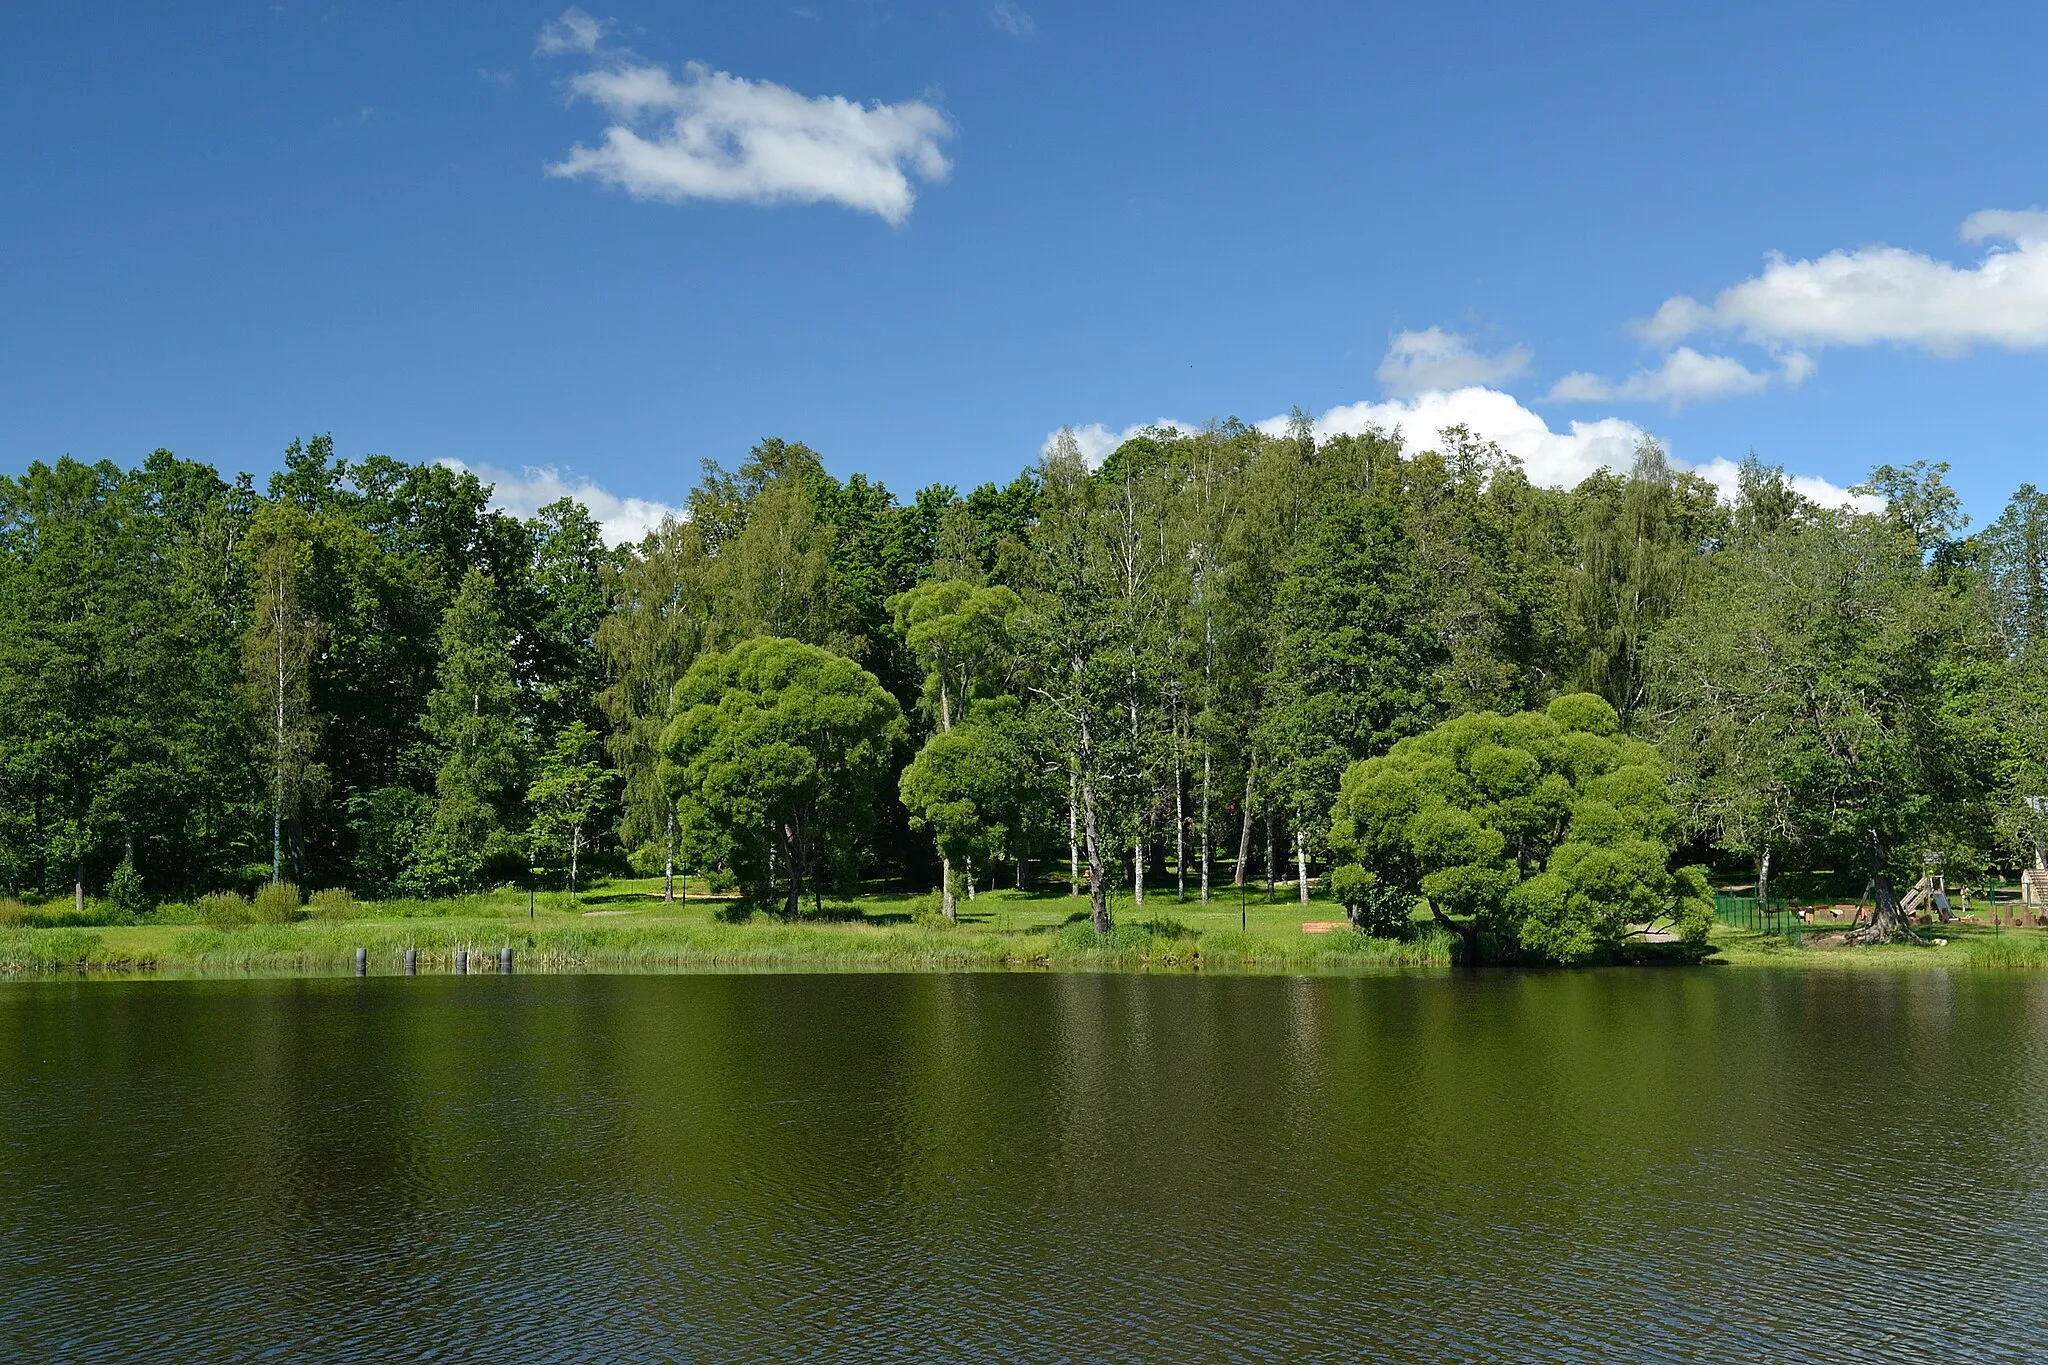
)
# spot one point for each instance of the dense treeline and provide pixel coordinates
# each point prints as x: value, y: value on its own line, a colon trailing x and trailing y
x: 1151, y: 675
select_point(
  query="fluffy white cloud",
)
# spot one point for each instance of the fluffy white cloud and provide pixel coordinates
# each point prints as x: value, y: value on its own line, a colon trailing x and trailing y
x: 1095, y: 440
x: 622, y: 521
x: 1686, y: 376
x: 1725, y: 475
x: 1418, y: 362
x: 1886, y: 294
x: 575, y: 31
x: 1557, y: 459
x: 712, y: 135
x: 1012, y: 20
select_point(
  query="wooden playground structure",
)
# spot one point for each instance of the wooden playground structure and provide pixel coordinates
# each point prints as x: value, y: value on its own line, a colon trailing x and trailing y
x: 1929, y: 901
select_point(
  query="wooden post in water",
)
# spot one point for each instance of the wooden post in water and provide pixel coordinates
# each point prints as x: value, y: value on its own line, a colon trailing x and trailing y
x: 412, y: 961
x: 504, y: 961
x: 362, y: 962
x: 462, y: 962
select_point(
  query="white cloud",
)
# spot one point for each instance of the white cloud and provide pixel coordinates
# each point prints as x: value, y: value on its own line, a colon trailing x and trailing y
x: 575, y: 31
x: 1725, y: 475
x: 712, y: 135
x: 1879, y: 294
x: 1096, y: 441
x: 1556, y: 459
x: 1011, y: 19
x: 1686, y: 376
x: 1417, y: 362
x: 622, y: 521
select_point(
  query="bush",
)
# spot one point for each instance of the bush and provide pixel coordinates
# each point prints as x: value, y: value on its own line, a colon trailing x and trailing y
x: 126, y: 894
x: 276, y: 903
x: 1373, y: 908
x: 335, y: 903
x: 224, y: 910
x: 12, y: 912
x: 927, y: 910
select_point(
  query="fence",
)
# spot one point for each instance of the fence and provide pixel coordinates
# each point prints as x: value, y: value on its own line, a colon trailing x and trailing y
x: 1743, y: 912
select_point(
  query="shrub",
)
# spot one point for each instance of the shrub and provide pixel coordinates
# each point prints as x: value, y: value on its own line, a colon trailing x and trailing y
x: 927, y: 910
x: 12, y: 912
x: 335, y: 903
x: 224, y: 910
x: 1373, y: 907
x: 276, y: 903
x: 126, y: 894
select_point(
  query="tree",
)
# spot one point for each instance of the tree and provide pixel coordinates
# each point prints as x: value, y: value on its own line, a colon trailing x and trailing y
x: 568, y: 793
x: 1354, y: 660
x: 660, y: 623
x: 954, y: 626
x: 1809, y: 683
x: 277, y: 656
x: 1542, y: 835
x: 776, y: 754
x: 1068, y: 630
x: 473, y: 718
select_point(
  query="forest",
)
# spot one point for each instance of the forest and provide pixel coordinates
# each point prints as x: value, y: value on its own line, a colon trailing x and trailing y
x: 1212, y: 658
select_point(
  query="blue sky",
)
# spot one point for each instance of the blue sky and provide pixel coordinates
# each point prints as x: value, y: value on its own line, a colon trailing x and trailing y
x: 615, y: 242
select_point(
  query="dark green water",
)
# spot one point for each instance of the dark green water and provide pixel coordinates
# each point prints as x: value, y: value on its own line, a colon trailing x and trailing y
x: 1708, y: 1165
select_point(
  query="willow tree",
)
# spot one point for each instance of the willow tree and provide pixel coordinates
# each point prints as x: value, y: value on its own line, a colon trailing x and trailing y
x: 777, y: 755
x: 278, y: 649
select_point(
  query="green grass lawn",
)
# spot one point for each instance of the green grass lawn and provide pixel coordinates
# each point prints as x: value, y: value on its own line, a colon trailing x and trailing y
x: 624, y: 924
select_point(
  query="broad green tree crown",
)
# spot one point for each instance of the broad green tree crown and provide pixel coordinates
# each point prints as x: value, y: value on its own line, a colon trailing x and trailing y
x: 776, y: 756
x: 1544, y: 835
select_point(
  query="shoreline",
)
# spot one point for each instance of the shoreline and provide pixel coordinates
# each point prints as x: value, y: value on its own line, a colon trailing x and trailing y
x: 609, y: 946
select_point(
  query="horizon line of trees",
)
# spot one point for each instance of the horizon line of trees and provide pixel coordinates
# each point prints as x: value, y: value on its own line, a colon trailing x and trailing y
x: 1149, y: 675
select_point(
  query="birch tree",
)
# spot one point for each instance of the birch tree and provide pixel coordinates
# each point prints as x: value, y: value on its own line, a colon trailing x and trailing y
x: 277, y: 657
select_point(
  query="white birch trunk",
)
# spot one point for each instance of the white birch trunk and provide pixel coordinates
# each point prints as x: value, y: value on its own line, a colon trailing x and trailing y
x: 1301, y: 863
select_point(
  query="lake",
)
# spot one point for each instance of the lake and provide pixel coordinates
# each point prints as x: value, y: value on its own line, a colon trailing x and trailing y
x: 1643, y: 1165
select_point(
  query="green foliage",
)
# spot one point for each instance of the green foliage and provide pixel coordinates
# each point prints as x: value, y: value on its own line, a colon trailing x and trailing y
x: 1542, y: 835
x: 473, y: 716
x: 572, y: 787
x: 332, y: 904
x: 224, y: 910
x: 275, y: 903
x: 126, y: 895
x: 1373, y: 907
x: 776, y: 755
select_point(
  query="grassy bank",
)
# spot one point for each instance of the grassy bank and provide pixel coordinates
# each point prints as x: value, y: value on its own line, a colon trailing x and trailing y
x: 625, y: 926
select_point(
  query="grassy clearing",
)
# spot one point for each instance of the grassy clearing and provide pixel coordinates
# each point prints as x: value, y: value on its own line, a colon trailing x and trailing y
x: 625, y: 926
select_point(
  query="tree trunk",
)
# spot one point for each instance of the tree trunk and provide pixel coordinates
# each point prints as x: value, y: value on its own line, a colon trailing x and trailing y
x: 947, y: 906
x: 1301, y: 863
x: 575, y: 846
x: 970, y: 879
x: 1205, y: 820
x: 668, y: 863
x: 78, y: 887
x: 1180, y: 829
x: 1886, y: 922
x: 1073, y: 838
x: 1098, y: 896
x: 1763, y: 880
x: 1138, y: 871
x: 1244, y: 837
x: 1269, y: 855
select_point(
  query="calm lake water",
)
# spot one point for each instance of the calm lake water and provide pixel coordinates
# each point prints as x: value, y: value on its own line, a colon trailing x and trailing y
x: 1705, y: 1165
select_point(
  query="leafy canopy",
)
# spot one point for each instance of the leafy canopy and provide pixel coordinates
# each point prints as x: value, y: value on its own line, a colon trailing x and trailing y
x: 777, y: 756
x: 1543, y: 835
